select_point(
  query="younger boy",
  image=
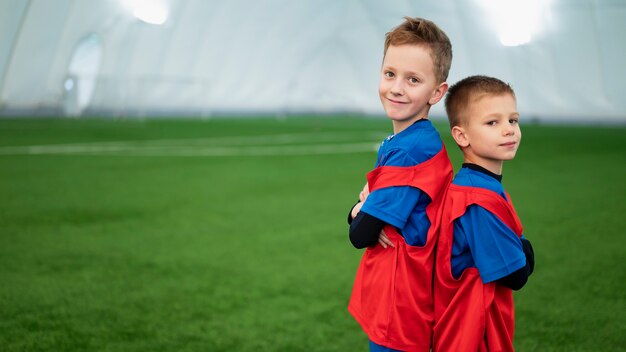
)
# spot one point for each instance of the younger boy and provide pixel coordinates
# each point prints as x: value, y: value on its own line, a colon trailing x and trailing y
x: 392, y: 294
x: 481, y: 253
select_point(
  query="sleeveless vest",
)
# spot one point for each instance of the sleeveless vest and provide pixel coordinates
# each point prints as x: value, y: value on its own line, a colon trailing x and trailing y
x: 392, y: 294
x: 471, y: 315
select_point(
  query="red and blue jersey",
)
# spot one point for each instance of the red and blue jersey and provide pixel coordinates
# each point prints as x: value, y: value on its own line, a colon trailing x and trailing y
x: 392, y: 294
x: 481, y: 240
x: 479, y: 230
x: 404, y: 207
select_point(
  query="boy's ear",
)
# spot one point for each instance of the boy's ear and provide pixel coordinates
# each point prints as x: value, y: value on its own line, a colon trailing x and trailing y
x: 438, y: 93
x: 459, y: 136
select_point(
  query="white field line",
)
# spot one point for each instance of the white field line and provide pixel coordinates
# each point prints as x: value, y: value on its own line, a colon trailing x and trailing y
x: 228, y: 146
x: 239, y: 140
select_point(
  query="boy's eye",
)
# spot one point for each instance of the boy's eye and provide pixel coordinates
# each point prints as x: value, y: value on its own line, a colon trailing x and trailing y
x: 389, y: 74
x: 491, y: 123
x: 414, y: 80
x: 513, y: 121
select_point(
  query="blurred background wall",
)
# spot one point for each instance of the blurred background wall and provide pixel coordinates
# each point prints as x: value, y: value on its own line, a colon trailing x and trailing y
x: 565, y: 58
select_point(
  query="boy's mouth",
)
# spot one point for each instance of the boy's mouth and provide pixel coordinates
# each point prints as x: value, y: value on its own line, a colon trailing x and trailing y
x: 396, y: 101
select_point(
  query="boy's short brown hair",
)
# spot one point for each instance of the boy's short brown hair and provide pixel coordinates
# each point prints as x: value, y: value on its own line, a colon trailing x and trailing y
x: 418, y: 31
x: 463, y: 92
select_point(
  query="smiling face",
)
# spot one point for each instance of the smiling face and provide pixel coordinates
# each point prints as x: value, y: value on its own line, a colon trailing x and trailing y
x: 408, y: 86
x: 489, y: 132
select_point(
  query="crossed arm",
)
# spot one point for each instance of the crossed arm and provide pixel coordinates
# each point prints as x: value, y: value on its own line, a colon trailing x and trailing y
x: 366, y: 230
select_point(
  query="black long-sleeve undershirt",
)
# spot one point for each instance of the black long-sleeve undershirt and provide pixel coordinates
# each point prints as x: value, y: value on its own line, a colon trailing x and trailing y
x: 364, y: 229
x: 517, y: 279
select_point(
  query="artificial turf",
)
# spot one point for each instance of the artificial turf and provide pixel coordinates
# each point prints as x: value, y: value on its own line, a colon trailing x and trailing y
x: 128, y: 252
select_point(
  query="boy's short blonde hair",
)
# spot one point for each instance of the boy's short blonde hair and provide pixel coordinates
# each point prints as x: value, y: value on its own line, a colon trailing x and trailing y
x: 418, y: 31
x: 467, y: 90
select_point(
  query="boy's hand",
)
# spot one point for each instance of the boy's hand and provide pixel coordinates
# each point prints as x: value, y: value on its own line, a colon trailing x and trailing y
x: 384, y: 240
x: 356, y: 209
x: 364, y: 193
x: 362, y: 197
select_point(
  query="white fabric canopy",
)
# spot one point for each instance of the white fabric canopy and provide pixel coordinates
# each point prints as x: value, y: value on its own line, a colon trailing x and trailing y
x: 282, y: 57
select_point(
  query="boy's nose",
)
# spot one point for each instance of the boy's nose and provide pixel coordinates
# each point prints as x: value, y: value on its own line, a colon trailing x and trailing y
x: 396, y: 89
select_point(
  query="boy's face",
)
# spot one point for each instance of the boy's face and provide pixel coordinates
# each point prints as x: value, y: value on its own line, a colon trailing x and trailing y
x: 408, y: 86
x: 490, y: 131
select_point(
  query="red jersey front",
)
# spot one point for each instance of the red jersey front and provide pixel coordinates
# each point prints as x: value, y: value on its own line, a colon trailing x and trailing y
x: 471, y: 315
x: 392, y: 294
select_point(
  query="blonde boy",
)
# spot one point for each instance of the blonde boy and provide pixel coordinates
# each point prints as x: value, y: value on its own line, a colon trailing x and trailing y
x: 392, y: 294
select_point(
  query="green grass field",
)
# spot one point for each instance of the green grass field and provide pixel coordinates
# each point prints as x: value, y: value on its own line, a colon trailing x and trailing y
x: 230, y: 235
